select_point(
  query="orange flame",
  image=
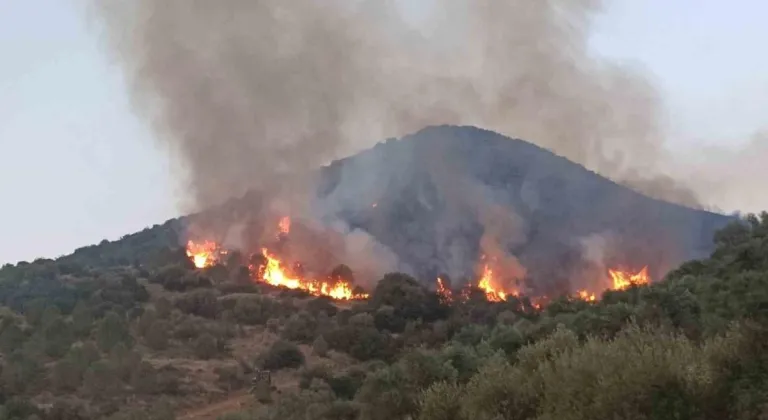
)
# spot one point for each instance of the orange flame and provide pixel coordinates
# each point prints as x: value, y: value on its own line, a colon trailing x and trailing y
x: 587, y: 296
x: 493, y: 292
x: 273, y: 273
x: 445, y: 294
x: 203, y: 254
x: 624, y: 279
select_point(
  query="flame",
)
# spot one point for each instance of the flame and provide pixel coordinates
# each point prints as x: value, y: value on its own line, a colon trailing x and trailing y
x: 624, y: 279
x: 272, y: 272
x: 492, y: 292
x: 587, y: 296
x: 445, y: 294
x: 203, y: 254
x: 285, y: 225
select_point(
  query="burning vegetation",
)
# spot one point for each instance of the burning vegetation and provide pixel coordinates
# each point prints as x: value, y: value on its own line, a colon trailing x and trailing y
x: 203, y: 254
x: 272, y: 270
x: 269, y: 268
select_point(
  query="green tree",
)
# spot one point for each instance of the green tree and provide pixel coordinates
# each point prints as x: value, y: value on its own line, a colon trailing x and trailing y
x: 58, y: 337
x: 283, y: 354
x: 111, y: 331
x: 82, y: 320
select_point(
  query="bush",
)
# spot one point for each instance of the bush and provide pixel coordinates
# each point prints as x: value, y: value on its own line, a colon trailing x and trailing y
x: 409, y: 299
x: 386, y: 319
x: 205, y: 347
x: 202, y: 303
x: 345, y: 386
x: 254, y: 310
x: 441, y: 401
x: 300, y: 327
x: 282, y: 355
x: 322, y: 305
x: 112, y: 330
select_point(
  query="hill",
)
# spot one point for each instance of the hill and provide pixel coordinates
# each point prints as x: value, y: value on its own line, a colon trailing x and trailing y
x: 439, y: 201
x: 126, y: 342
x: 442, y: 191
x: 131, y: 329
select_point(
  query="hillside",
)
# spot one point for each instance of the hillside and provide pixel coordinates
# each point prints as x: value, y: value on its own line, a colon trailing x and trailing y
x: 170, y: 341
x: 444, y: 197
x: 439, y: 191
x: 130, y: 329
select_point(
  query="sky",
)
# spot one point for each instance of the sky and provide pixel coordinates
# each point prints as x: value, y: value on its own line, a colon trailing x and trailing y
x: 78, y: 166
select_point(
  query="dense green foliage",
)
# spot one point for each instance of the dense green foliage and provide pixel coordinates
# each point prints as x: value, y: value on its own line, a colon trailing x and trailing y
x: 110, y: 334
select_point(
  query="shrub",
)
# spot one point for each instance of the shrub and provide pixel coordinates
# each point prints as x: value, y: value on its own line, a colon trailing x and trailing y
x: 254, y: 310
x: 202, y: 303
x: 112, y: 330
x: 346, y: 385
x: 283, y: 354
x: 386, y: 319
x: 322, y: 305
x: 441, y: 401
x: 300, y: 327
x: 409, y: 299
x: 205, y: 346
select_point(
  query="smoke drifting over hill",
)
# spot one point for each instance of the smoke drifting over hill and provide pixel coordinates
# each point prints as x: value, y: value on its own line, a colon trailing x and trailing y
x: 247, y: 91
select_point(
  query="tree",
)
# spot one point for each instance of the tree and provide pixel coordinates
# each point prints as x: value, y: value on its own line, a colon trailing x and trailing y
x: 283, y: 354
x: 82, y: 319
x: 300, y: 327
x: 58, y: 337
x: 111, y: 331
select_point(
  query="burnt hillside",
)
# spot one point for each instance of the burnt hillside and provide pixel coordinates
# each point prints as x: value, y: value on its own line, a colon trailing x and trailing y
x: 431, y: 196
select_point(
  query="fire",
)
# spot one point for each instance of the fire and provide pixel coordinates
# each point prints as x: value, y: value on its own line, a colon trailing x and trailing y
x: 624, y: 279
x: 272, y: 272
x: 587, y: 296
x: 203, y: 254
x: 492, y: 292
x: 445, y: 294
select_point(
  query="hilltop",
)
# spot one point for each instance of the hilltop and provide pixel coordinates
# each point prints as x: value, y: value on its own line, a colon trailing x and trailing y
x: 439, y: 191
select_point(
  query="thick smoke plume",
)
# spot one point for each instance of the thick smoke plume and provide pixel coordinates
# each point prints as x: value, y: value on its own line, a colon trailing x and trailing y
x: 258, y: 93
x: 247, y: 91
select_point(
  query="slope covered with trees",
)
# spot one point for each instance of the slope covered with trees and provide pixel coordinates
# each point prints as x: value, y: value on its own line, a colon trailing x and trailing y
x: 82, y: 340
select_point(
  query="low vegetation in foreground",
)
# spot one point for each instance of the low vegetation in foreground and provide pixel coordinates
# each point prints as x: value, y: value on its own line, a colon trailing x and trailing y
x: 153, y: 338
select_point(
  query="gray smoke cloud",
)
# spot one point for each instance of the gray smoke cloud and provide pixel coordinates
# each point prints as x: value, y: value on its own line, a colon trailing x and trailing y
x: 257, y: 93
x: 246, y: 91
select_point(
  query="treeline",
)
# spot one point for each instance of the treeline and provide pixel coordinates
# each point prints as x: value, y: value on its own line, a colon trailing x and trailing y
x: 81, y: 341
x: 690, y: 347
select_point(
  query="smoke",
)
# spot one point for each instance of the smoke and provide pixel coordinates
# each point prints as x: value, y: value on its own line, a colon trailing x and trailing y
x: 730, y: 177
x: 257, y: 93
x: 248, y: 91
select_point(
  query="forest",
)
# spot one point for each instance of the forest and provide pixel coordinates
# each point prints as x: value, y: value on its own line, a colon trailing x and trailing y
x: 115, y: 331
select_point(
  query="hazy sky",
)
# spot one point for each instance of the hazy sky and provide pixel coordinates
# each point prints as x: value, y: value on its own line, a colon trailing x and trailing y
x: 76, y: 166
